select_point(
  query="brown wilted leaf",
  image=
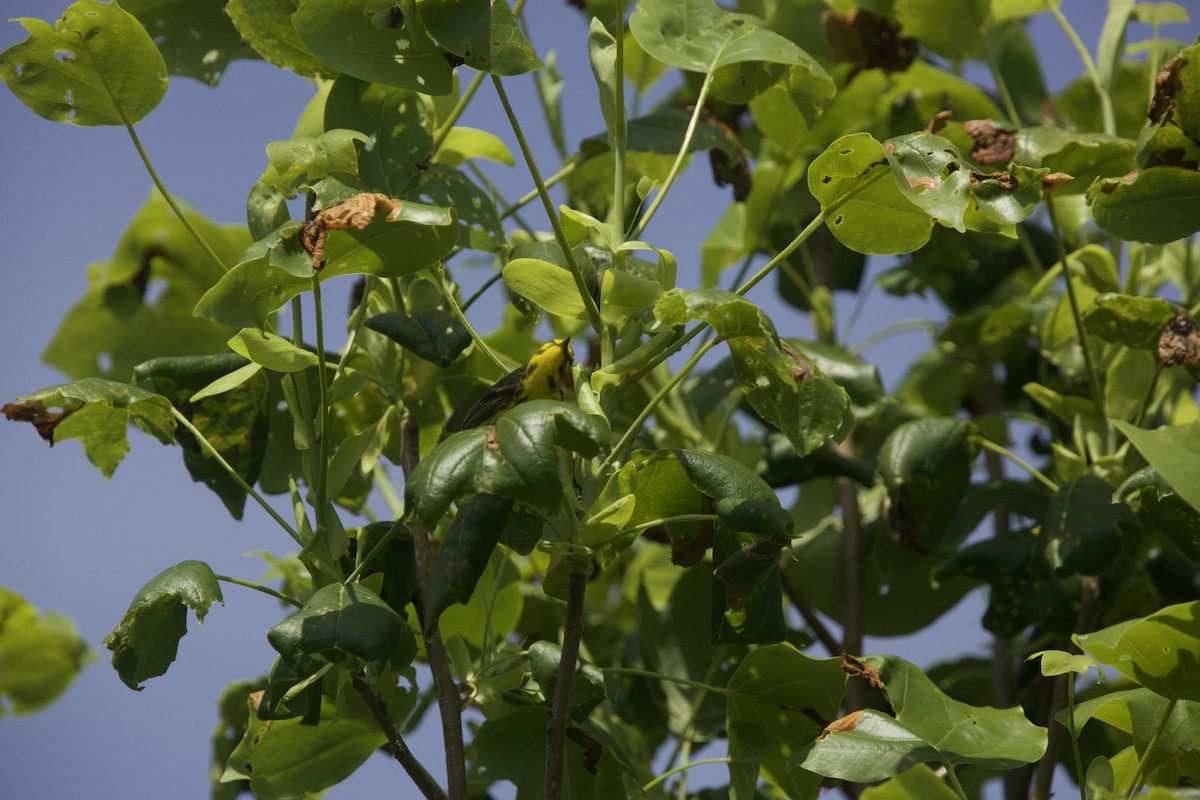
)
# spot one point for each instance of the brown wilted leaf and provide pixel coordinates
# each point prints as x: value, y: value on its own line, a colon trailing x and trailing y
x: 868, y: 40
x: 846, y: 723
x: 1172, y: 157
x: 1008, y: 182
x: 855, y: 667
x: 938, y: 121
x: 1166, y: 85
x: 993, y: 144
x: 802, y: 370
x: 592, y: 749
x: 1054, y: 180
x: 1179, y: 342
x: 354, y: 212
x: 33, y: 412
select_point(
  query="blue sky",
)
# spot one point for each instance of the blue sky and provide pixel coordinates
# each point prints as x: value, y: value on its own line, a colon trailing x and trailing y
x: 78, y: 544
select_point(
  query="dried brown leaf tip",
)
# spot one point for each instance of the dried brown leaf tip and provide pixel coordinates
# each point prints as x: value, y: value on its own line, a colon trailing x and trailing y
x: 33, y: 412
x: 855, y: 667
x: 1166, y: 85
x: 846, y: 723
x: 1008, y: 182
x: 354, y: 212
x: 1054, y: 180
x: 1179, y: 343
x: 868, y: 40
x: 801, y: 371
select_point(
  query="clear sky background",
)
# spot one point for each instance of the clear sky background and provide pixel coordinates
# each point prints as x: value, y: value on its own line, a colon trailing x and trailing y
x: 70, y: 541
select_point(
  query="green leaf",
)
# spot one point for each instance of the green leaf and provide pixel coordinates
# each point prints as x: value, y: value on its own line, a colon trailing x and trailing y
x: 1159, y: 205
x: 464, y: 554
x: 765, y: 518
x: 479, y: 226
x: 300, y: 163
x: 1140, y: 713
x: 483, y: 32
x: 517, y: 458
x: 1128, y: 319
x: 431, y: 334
x: 700, y: 36
x: 587, y: 686
x: 929, y: 170
x: 872, y: 747
x: 356, y: 38
x: 288, y: 758
x: 950, y: 28
x: 197, y: 40
x: 40, y: 655
x: 602, y: 54
x: 271, y: 351
x: 1080, y: 527
x: 463, y: 144
x: 926, y: 466
x: 546, y: 285
x: 394, y: 121
x: 1060, y: 662
x: 96, y: 66
x: 97, y: 412
x: 1083, y: 156
x: 1172, y: 451
x: 118, y: 323
x: 341, y: 620
x: 866, y: 212
x: 267, y: 26
x: 768, y: 690
x: 1160, y: 651
x: 145, y: 643
x: 918, y: 783
x: 717, y: 476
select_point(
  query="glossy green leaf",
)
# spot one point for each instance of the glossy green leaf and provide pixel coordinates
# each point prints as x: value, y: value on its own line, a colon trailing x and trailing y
x: 267, y: 26
x: 866, y: 210
x: 747, y: 591
x: 765, y: 518
x: 95, y: 66
x: 394, y: 121
x: 145, y: 643
x: 950, y: 28
x: 483, y: 32
x: 587, y: 687
x: 118, y: 323
x: 718, y: 476
x: 926, y: 464
x: 271, y: 351
x: 356, y: 38
x: 431, y: 334
x: 479, y: 226
x: 929, y: 170
x: 875, y: 747
x: 700, y: 36
x: 602, y: 54
x: 287, y: 758
x: 464, y: 554
x: 1080, y: 527
x: 197, y: 40
x: 546, y: 285
x: 299, y: 163
x: 337, y: 621
x: 770, y: 687
x: 1160, y: 651
x: 1140, y: 713
x: 463, y: 144
x: 1172, y: 451
x: 97, y: 412
x: 517, y: 458
x: 1159, y: 205
x: 40, y: 655
x: 1060, y: 662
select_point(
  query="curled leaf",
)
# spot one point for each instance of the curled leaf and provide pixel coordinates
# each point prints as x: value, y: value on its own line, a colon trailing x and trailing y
x: 1179, y: 342
x: 354, y: 212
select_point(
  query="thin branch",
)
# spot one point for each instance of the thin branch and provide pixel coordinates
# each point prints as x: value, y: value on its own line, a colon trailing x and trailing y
x: 258, y: 587
x: 852, y: 577
x: 827, y: 639
x: 556, y: 729
x: 423, y: 780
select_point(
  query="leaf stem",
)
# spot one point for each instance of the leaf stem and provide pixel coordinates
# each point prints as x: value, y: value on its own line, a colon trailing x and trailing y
x: 1083, y: 795
x: 456, y: 112
x: 355, y: 325
x: 491, y: 354
x: 556, y: 731
x: 620, y: 130
x: 684, y: 767
x: 1106, y: 108
x: 659, y: 676
x: 563, y: 171
x: 423, y: 780
x: 1000, y: 450
x: 954, y: 782
x: 258, y: 587
x: 1140, y: 777
x: 1010, y: 107
x: 636, y: 426
x: 489, y: 283
x: 697, y: 110
x: 323, y: 413
x: 241, y: 482
x: 654, y: 523
x: 585, y: 294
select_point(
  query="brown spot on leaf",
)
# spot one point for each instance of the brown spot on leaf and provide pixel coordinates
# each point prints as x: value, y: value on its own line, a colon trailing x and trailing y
x: 1179, y: 342
x: 846, y: 723
x: 889, y: 146
x: 354, y: 212
x: 993, y: 145
x: 1007, y: 181
x: 801, y: 371
x: 1172, y: 157
x: 924, y: 183
x: 855, y: 667
x: 1166, y: 86
x: 33, y: 412
x: 868, y: 40
x: 256, y: 699
x: 491, y: 443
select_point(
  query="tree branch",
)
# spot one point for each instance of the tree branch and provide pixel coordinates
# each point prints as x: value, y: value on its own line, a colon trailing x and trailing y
x: 556, y: 728
x: 399, y: 748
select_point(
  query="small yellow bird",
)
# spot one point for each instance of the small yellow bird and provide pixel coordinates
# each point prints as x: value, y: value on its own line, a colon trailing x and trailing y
x: 546, y: 376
